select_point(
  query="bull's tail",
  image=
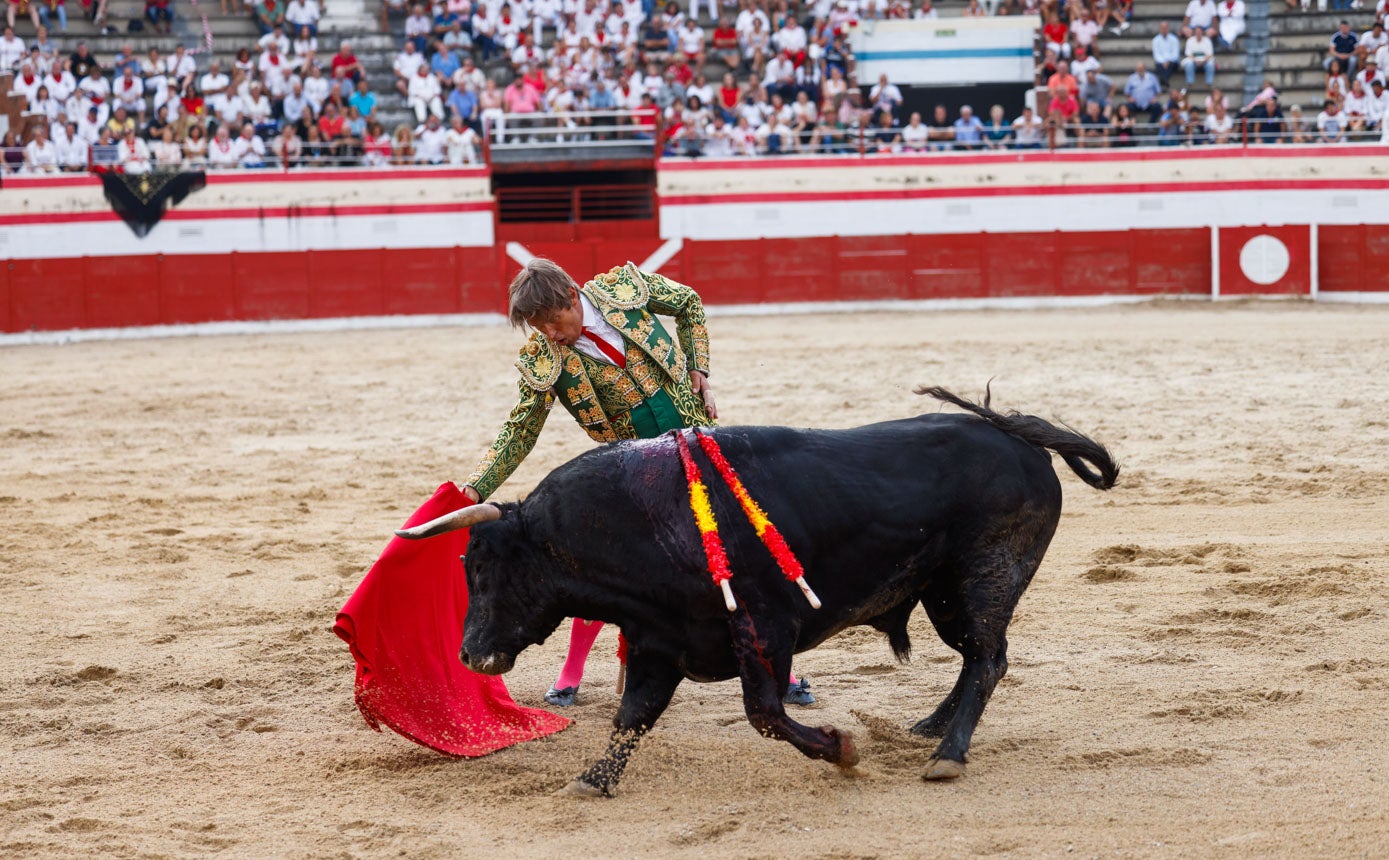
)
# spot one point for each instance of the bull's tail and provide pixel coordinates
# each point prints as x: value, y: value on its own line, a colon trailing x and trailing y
x: 1079, y: 451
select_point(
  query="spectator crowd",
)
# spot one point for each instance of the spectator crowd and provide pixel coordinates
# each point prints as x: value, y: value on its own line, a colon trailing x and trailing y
x: 715, y: 78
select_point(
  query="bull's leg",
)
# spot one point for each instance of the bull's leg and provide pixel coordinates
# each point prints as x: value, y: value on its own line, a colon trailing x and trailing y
x: 971, y: 612
x: 650, y: 684
x: 764, y: 666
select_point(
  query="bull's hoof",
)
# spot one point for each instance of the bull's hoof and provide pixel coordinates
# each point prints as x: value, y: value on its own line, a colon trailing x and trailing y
x: 848, y: 751
x: 579, y: 788
x: 943, y: 768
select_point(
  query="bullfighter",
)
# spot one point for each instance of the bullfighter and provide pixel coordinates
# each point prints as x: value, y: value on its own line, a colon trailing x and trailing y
x: 600, y: 351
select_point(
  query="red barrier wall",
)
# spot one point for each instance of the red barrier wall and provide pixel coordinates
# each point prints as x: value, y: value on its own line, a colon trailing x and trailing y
x: 107, y: 292
x: 101, y: 292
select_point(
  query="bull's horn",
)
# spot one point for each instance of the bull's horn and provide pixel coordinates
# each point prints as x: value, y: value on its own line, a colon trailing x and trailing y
x: 459, y: 519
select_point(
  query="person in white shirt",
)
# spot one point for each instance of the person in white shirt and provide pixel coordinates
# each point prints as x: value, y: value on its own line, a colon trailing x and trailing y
x: 462, y: 143
x: 130, y: 92
x: 303, y: 13
x: 424, y: 96
x: 221, y: 152
x: 1232, y: 15
x: 133, y: 154
x: 430, y: 142
x: 1378, y: 104
x: 926, y: 12
x: 213, y: 86
x: 278, y: 37
x: 885, y: 96
x: 1331, y: 123
x: 180, y: 68
x: 914, y: 134
x: 1356, y: 108
x: 73, y: 155
x: 40, y: 155
x: 11, y: 49
x: 60, y: 82
x: 1371, y: 41
x: 691, y: 40
x: 547, y: 13
x: 257, y: 106
x: 791, y: 37
x: 274, y: 71
x: 27, y: 82
x: 1027, y: 130
x: 45, y: 104
x: 316, y: 88
x: 406, y: 64
x: 1200, y: 18
x: 167, y: 153
x: 305, y: 48
x: 1199, y: 52
x: 1371, y: 73
x: 249, y: 149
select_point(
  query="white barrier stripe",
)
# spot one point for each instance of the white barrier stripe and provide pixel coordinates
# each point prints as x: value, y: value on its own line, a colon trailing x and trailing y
x: 662, y: 255
x: 243, y: 327
x: 518, y: 252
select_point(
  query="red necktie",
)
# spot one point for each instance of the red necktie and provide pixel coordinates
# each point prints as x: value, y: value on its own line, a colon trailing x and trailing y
x: 606, y: 348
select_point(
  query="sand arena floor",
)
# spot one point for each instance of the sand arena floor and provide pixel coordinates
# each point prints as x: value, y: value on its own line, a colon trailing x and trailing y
x: 1200, y: 669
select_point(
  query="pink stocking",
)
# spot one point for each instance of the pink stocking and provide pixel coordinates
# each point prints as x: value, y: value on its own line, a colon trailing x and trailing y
x: 581, y: 637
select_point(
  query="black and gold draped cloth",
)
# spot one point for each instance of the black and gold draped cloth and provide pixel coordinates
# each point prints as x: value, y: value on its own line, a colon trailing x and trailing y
x: 142, y: 198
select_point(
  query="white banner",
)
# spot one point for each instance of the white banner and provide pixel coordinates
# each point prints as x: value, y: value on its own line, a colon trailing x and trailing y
x: 946, y: 50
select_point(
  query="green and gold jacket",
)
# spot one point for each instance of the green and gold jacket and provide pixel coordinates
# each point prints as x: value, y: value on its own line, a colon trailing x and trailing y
x: 599, y: 395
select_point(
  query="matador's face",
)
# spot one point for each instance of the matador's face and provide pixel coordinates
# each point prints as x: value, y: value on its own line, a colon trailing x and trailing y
x: 562, y: 326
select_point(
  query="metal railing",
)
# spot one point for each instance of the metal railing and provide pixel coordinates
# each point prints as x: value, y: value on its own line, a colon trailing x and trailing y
x: 592, y: 130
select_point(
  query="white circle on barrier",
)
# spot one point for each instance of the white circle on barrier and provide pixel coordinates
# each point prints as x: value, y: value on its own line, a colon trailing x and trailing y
x: 1264, y: 259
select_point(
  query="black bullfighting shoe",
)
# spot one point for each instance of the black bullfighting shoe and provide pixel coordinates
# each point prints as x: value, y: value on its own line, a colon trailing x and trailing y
x: 799, y: 694
x: 563, y: 698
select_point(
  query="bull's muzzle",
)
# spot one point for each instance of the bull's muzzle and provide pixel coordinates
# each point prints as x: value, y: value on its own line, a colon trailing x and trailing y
x: 460, y: 519
x: 490, y: 664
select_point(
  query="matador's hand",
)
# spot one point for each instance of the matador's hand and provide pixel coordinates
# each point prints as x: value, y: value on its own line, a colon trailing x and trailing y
x: 700, y: 383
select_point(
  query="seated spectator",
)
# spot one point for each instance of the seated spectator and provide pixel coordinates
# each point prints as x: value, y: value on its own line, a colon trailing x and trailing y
x: 1097, y: 88
x: 402, y: 145
x: 1200, y: 19
x: 725, y: 50
x: 1369, y: 74
x: 1196, y: 133
x: 301, y: 16
x: 458, y: 40
x: 509, y: 27
x: 74, y: 153
x: 444, y: 64
x: 1343, y: 49
x: 1056, y: 36
x: 431, y: 142
x: 363, y: 100
x: 1371, y: 41
x: 47, y: 8
x: 160, y: 16
x: 1337, y: 84
x: 774, y: 137
x: 345, y: 64
x: 195, y: 146
x: 1167, y: 54
x: 154, y: 129
x: 1063, y: 79
x: 974, y: 10
x: 1378, y: 104
x: 267, y: 15
x: 1123, y: 129
x: 484, y: 38
x: 941, y: 132
x: 1200, y: 53
x: 12, y: 50
x: 249, y: 148
x: 166, y: 152
x: 1172, y: 124
x: 1296, y: 127
x: 885, y: 96
x: 914, y: 134
x: 757, y: 47
x: 180, y: 69
x: 13, y: 152
x: 1093, y: 127
x: 997, y: 131
x: 690, y: 40
x: 40, y: 154
x: 332, y: 129
x: 1356, y: 108
x: 1231, y: 14
x: 490, y: 110
x: 461, y: 143
x: 1082, y: 62
x: 133, y: 154
x: 1143, y: 90
x: 1219, y: 124
x: 1085, y: 31
x: 969, y: 131
x: 1265, y: 119
x: 1331, y: 124
x: 376, y: 146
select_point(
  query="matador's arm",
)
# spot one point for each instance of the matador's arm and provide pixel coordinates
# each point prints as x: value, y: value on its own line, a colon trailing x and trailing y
x: 514, y: 441
x: 673, y: 299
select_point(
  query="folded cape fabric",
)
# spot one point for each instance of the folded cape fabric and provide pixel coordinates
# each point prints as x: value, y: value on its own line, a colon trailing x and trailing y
x: 404, y: 625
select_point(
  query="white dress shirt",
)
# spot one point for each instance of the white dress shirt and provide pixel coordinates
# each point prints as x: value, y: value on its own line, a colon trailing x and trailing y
x: 594, y: 322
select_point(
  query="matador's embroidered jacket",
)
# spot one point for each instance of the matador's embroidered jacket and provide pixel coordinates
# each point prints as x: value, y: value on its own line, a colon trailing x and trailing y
x: 597, y: 394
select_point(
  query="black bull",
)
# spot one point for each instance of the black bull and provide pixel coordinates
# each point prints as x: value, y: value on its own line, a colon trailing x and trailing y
x: 945, y: 510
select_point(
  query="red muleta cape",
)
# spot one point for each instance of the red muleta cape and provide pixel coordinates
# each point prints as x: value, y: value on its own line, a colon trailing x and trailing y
x: 404, y: 624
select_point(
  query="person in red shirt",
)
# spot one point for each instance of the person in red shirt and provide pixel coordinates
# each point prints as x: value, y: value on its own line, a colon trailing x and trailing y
x: 726, y: 44
x: 332, y: 125
x: 1065, y: 102
x: 684, y: 74
x: 345, y: 64
x: 535, y: 79
x: 728, y: 97
x: 1054, y: 34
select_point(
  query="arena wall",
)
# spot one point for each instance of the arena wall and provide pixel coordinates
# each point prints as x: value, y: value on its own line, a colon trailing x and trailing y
x: 1000, y: 228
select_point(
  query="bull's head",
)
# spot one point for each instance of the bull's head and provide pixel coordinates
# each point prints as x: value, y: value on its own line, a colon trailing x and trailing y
x: 510, y: 606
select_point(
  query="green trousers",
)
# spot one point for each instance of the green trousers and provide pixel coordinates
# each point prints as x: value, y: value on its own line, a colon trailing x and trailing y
x: 654, y: 416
